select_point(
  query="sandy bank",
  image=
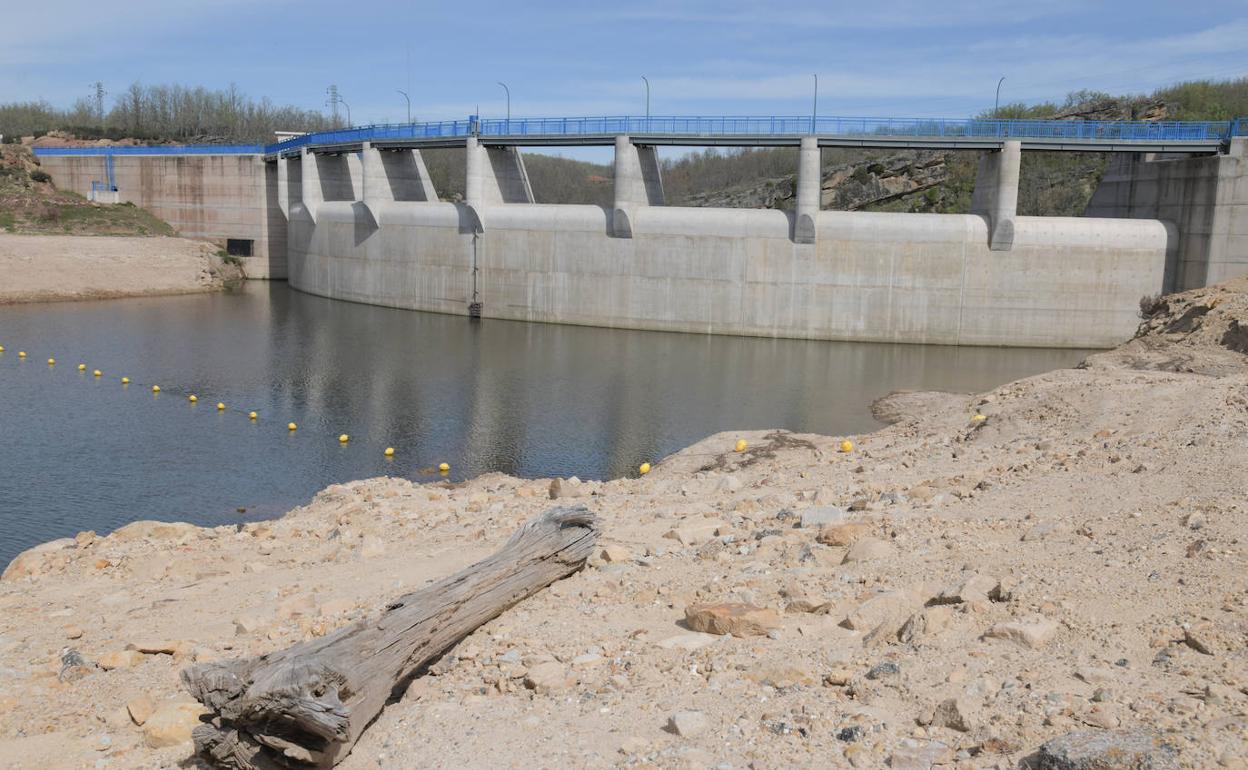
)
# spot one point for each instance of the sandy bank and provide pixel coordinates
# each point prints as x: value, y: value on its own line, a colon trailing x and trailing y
x: 954, y: 592
x: 43, y: 268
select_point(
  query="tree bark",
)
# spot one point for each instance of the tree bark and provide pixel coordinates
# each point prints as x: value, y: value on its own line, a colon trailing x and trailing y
x: 305, y: 706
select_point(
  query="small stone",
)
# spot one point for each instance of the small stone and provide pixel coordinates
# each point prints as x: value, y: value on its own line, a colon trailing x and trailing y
x: 140, y: 709
x: 881, y: 670
x: 956, y: 714
x: 1033, y: 632
x: 687, y: 724
x: 850, y: 734
x: 912, y: 754
x: 73, y: 665
x: 735, y: 619
x: 838, y: 677
x: 821, y: 516
x: 73, y: 632
x: 1106, y: 750
x: 548, y: 677
x: 119, y: 659
x: 171, y: 723
x: 868, y: 549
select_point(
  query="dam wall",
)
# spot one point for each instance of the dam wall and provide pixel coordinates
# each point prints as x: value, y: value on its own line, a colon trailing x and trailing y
x: 921, y: 278
x: 1206, y: 197
x: 230, y: 200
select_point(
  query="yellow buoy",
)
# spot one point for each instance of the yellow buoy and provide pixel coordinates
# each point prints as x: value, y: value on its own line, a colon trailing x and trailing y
x: 51, y: 361
x: 82, y: 367
x: 645, y: 468
x: 192, y: 398
x: 344, y: 438
x: 220, y: 407
x: 1, y: 348
x: 155, y: 388
x: 389, y: 451
x: 291, y: 426
x: 741, y: 445
x: 21, y: 354
x: 847, y: 446
x: 252, y: 415
x: 979, y: 418
x: 125, y: 380
x: 98, y: 373
x: 444, y: 467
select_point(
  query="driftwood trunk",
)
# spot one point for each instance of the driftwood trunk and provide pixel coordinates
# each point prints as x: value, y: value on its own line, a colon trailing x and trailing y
x: 306, y: 706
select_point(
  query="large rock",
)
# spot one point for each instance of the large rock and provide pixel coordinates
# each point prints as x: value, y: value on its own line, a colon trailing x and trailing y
x: 1105, y: 750
x: 847, y: 533
x: 868, y: 549
x: 119, y: 659
x: 687, y: 724
x: 976, y: 588
x: 735, y: 619
x: 1033, y: 632
x: 32, y: 561
x: 821, y: 516
x: 171, y: 723
x: 957, y: 714
x: 157, y: 530
x: 881, y: 617
x: 548, y: 677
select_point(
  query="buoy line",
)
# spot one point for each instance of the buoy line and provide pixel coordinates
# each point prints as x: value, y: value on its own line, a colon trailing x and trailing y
x: 192, y: 398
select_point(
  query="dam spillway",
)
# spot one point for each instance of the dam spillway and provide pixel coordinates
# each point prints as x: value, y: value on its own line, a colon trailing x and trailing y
x: 356, y: 218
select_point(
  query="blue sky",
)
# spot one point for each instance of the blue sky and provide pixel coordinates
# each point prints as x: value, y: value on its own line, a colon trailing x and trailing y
x: 895, y: 58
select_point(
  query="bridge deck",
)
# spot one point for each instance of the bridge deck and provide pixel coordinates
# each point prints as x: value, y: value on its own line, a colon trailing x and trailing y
x: 728, y: 131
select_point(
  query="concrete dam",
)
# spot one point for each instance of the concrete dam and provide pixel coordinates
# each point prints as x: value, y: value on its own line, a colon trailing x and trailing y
x: 354, y: 215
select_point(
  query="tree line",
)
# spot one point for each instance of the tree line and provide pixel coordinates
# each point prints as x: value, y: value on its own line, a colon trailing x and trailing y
x: 164, y: 113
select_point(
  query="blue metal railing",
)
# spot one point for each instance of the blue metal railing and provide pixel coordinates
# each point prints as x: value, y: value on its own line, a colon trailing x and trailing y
x: 720, y: 126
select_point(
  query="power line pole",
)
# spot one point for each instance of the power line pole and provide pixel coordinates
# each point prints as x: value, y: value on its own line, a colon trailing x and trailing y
x: 99, y: 101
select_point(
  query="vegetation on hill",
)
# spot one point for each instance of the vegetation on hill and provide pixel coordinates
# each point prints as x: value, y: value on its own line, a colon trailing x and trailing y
x: 30, y: 204
x: 163, y: 113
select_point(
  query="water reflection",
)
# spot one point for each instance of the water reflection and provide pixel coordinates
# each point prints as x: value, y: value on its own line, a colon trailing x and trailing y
x: 530, y: 400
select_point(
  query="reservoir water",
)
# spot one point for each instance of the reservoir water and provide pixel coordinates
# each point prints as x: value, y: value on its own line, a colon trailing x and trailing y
x: 81, y: 452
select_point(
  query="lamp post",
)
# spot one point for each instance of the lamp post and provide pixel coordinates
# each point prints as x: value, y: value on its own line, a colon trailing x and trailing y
x: 508, y: 92
x: 814, y: 110
x: 996, y: 103
x: 647, y: 82
x: 409, y: 105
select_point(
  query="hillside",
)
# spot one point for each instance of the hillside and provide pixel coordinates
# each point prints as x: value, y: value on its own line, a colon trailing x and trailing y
x: 30, y: 204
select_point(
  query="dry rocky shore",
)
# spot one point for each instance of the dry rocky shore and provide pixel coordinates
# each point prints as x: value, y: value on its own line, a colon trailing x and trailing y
x: 49, y: 268
x: 1062, y: 583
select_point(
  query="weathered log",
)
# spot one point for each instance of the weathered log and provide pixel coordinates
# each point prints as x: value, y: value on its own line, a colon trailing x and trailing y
x: 305, y: 706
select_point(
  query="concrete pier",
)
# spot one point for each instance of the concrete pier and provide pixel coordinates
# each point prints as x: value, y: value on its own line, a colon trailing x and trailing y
x: 809, y: 190
x: 638, y: 183
x: 996, y: 193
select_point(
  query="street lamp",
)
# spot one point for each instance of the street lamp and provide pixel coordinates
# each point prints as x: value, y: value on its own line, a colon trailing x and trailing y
x: 814, y: 110
x: 409, y: 105
x: 508, y: 90
x: 996, y: 103
x: 647, y: 81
